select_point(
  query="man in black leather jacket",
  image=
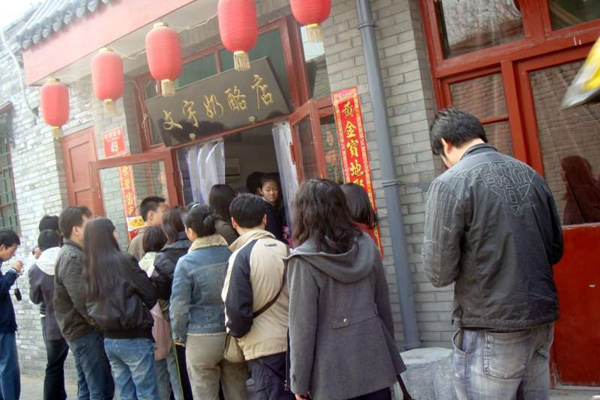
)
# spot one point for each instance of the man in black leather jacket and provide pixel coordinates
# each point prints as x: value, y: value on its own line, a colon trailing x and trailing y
x: 492, y: 228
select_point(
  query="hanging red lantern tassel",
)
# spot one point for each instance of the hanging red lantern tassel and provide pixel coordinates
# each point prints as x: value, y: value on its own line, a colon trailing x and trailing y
x: 311, y: 13
x: 163, y: 50
x: 54, y: 102
x: 107, y: 79
x: 238, y: 26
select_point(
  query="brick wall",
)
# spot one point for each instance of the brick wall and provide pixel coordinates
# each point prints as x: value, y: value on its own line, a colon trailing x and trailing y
x: 40, y: 188
x: 409, y: 94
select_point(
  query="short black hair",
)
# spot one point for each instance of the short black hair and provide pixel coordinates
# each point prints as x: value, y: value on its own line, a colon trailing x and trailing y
x: 253, y: 181
x: 72, y: 217
x: 455, y: 127
x: 150, y: 204
x: 154, y: 239
x: 49, y: 222
x: 48, y: 238
x: 248, y: 210
x: 271, y: 177
x: 8, y: 238
x: 200, y: 218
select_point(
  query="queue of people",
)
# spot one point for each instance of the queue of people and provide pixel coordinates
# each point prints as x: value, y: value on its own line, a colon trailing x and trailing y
x: 209, y: 293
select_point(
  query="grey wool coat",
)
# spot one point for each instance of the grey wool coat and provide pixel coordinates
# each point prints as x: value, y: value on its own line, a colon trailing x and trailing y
x: 341, y: 328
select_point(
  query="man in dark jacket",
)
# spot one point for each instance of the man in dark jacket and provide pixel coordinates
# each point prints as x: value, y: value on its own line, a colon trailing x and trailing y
x: 10, y: 379
x: 491, y: 228
x: 93, y: 369
x: 41, y: 291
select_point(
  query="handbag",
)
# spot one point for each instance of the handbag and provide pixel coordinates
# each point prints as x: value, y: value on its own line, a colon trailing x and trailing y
x: 233, y: 352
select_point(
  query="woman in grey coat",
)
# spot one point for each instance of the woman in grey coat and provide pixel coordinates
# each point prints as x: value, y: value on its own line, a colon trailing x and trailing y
x: 341, y: 329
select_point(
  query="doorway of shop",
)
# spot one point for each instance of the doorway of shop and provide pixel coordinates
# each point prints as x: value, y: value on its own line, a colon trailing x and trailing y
x: 233, y: 158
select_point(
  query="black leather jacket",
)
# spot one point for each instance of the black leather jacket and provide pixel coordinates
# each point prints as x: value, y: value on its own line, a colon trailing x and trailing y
x: 126, y: 312
x: 492, y: 227
x: 165, y: 262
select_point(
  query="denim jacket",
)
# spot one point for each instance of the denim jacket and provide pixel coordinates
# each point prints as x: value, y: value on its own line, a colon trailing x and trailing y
x: 196, y: 304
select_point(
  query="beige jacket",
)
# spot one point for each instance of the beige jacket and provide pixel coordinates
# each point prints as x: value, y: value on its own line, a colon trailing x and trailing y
x: 254, y: 277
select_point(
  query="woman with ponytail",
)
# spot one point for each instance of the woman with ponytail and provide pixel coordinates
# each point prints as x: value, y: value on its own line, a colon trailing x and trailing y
x: 197, y: 310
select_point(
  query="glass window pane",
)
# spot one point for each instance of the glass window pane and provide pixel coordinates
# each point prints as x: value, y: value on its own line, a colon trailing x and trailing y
x: 307, y: 144
x: 149, y: 179
x: 333, y: 157
x: 470, y: 25
x: 268, y: 45
x: 565, y: 13
x: 499, y: 135
x: 316, y: 67
x: 483, y: 97
x: 197, y: 70
x: 570, y: 142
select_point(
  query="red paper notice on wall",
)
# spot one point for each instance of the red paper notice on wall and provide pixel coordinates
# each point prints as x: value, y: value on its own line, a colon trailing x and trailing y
x: 114, y: 143
x: 353, y: 144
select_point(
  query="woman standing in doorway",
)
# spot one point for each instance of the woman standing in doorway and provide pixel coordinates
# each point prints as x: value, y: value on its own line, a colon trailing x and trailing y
x: 119, y: 297
x: 341, y: 337
x: 269, y: 190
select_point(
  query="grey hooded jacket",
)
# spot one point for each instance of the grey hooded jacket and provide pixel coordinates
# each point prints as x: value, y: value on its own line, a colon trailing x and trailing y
x: 341, y: 328
x: 492, y: 227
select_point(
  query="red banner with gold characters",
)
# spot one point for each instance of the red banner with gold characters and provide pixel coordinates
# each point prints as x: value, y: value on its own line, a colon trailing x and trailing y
x: 353, y: 144
x: 128, y: 193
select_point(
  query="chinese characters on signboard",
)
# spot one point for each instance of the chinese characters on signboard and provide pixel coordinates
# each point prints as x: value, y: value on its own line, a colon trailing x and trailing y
x: 226, y: 101
x: 353, y: 144
x: 114, y: 143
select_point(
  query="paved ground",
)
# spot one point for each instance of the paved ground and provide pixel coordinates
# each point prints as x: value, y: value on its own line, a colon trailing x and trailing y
x: 32, y: 389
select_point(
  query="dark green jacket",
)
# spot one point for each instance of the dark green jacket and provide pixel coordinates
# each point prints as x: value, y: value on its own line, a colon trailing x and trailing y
x: 69, y: 295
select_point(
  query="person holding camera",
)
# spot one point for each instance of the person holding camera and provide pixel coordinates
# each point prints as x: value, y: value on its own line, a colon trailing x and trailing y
x: 10, y: 380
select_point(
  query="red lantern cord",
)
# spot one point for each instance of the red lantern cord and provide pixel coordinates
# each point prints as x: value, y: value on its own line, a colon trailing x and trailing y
x: 163, y: 50
x: 311, y: 13
x: 107, y: 79
x: 238, y: 26
x: 54, y: 102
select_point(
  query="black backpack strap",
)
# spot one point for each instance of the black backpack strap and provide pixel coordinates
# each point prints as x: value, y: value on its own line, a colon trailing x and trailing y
x: 270, y: 303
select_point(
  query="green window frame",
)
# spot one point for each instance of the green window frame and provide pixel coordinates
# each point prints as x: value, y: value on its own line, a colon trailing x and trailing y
x: 9, y: 218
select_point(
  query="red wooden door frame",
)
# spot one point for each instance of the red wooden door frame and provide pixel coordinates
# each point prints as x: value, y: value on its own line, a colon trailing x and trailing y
x: 173, y: 178
x: 308, y: 110
x: 527, y: 103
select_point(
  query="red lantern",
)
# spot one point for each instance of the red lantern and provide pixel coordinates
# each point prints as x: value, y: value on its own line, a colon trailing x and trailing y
x: 311, y: 13
x: 238, y: 26
x: 54, y: 101
x: 107, y: 79
x: 163, y: 50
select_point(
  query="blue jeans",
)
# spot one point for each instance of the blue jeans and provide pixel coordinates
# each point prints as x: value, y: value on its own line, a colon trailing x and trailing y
x: 133, y: 367
x: 94, y: 381
x: 10, y: 376
x: 492, y: 365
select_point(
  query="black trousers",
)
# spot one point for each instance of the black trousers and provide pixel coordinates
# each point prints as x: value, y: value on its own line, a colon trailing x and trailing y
x: 54, y: 381
x: 269, y: 377
x: 383, y: 394
x: 184, y: 378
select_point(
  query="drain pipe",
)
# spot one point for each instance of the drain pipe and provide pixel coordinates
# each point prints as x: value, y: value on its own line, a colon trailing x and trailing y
x: 389, y: 178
